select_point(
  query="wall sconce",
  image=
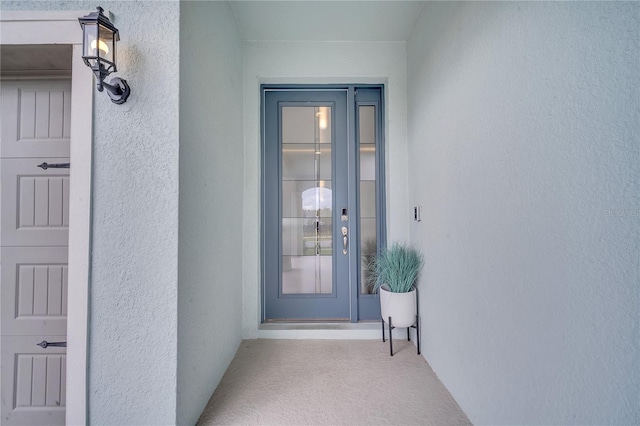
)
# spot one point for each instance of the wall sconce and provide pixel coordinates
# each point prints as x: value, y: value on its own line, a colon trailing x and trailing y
x: 99, y: 38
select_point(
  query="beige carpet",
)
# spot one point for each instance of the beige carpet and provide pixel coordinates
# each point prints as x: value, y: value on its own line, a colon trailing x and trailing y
x: 330, y: 382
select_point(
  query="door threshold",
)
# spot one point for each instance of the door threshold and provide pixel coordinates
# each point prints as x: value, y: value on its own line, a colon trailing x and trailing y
x: 325, y: 325
x: 307, y: 321
x: 317, y: 330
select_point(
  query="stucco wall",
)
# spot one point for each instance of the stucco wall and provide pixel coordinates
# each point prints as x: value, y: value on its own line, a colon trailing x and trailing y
x: 133, y: 294
x: 211, y: 185
x: 524, y: 129
x: 319, y: 63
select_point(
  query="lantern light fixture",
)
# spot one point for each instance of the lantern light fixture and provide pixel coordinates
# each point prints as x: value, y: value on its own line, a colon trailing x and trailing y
x: 99, y: 39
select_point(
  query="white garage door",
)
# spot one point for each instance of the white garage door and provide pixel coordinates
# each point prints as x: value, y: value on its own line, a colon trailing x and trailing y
x: 33, y: 253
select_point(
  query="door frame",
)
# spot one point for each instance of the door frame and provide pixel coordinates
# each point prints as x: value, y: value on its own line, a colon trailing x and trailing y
x: 352, y: 137
x: 19, y: 28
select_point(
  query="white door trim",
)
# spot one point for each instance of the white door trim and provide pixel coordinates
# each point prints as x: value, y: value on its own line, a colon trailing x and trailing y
x: 63, y: 28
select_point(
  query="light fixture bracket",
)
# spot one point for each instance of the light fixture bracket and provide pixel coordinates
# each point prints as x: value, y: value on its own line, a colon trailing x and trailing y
x: 118, y: 90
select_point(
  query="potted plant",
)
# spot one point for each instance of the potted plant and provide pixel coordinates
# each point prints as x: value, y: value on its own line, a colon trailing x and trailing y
x: 394, y: 273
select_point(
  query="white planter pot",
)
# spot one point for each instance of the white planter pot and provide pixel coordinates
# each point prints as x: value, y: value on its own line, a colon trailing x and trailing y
x: 401, y: 307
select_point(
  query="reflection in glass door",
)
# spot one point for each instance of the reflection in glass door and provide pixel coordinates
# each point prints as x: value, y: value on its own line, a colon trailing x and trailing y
x: 307, y: 200
x: 321, y: 202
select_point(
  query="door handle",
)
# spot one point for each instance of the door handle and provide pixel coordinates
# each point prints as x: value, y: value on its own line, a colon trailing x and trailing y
x: 345, y: 239
x: 44, y: 344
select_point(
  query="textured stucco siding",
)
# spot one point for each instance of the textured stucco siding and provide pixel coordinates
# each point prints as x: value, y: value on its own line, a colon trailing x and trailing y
x: 211, y: 202
x: 524, y: 130
x: 134, y: 267
x: 133, y: 328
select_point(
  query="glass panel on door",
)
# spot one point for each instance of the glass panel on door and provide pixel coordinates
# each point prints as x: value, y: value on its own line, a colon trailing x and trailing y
x: 369, y: 154
x: 367, y: 163
x: 307, y: 201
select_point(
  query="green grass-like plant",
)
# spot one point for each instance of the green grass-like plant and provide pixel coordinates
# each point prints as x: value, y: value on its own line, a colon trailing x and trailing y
x: 397, y: 266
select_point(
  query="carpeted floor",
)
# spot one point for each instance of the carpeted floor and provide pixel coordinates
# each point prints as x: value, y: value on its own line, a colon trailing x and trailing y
x: 330, y: 382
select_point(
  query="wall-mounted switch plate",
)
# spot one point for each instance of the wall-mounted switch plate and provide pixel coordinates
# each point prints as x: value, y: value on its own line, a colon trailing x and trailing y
x: 417, y: 213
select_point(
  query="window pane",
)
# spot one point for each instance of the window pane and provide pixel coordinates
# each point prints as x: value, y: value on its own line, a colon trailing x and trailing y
x: 368, y: 251
x: 308, y: 125
x: 91, y: 42
x: 368, y: 162
x: 367, y: 199
x: 306, y: 198
x: 307, y: 275
x: 307, y: 236
x: 106, y: 44
x: 367, y: 195
x: 304, y: 162
x: 367, y: 124
x: 307, y: 201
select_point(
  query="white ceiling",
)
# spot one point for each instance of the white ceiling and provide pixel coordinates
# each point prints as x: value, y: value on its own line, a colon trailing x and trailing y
x: 327, y: 20
x: 303, y: 20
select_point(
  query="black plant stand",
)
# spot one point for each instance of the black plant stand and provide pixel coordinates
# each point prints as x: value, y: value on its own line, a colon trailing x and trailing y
x: 416, y: 325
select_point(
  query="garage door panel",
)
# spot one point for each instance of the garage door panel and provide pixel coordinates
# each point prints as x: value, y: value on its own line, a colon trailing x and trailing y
x: 36, y: 119
x: 39, y: 216
x: 35, y: 393
x: 34, y: 290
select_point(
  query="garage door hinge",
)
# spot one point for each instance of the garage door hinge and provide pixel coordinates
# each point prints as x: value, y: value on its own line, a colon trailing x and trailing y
x: 44, y: 344
x: 45, y: 166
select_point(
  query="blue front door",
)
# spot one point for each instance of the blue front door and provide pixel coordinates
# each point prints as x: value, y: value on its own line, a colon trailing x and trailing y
x: 313, y: 212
